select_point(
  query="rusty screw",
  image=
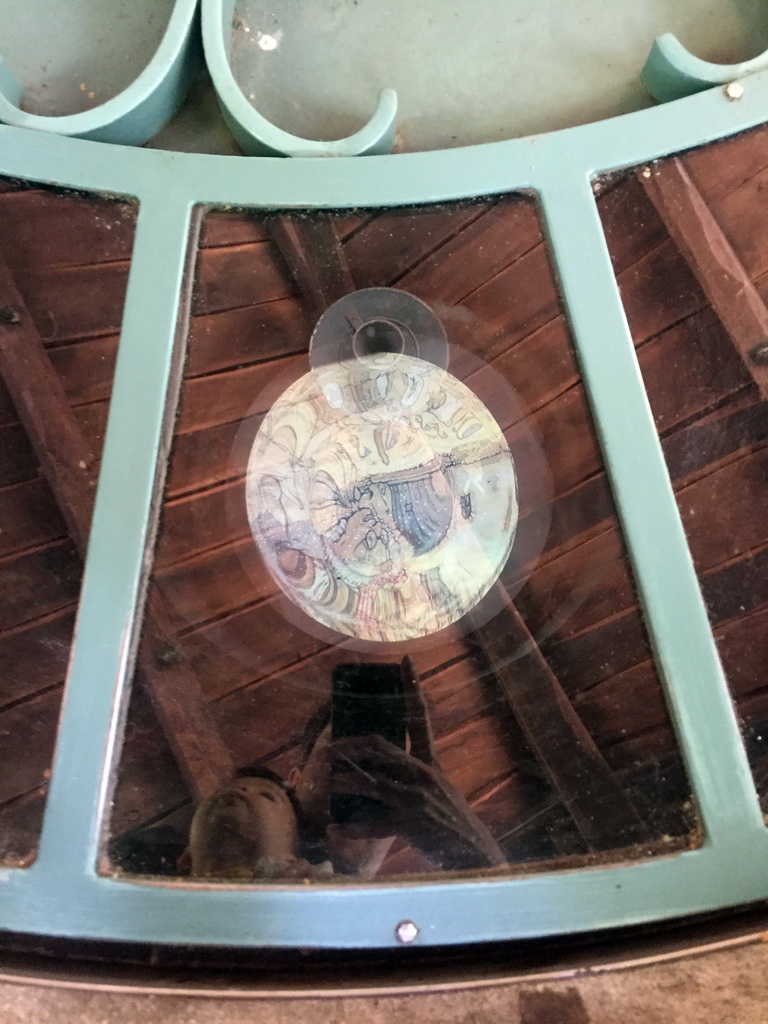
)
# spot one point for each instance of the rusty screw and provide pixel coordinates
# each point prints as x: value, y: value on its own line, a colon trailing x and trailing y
x: 759, y: 354
x: 8, y: 316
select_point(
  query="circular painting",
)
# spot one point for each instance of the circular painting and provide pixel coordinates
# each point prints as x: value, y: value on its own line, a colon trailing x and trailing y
x: 382, y: 496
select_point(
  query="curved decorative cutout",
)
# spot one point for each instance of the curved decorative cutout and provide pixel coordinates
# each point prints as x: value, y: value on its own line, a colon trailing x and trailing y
x: 259, y: 137
x: 671, y: 71
x: 136, y: 113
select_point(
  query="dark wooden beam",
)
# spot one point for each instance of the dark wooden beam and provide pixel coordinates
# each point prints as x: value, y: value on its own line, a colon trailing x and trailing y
x: 705, y: 247
x: 70, y: 468
x: 315, y: 257
x: 556, y: 735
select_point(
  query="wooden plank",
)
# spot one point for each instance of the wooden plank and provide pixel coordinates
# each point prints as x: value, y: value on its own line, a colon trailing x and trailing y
x: 719, y: 169
x: 68, y: 464
x: 283, y: 703
x: 38, y: 582
x: 217, y: 582
x: 232, y: 227
x: 29, y: 733
x: 243, y: 275
x: 20, y: 826
x: 29, y: 516
x: 235, y: 394
x: 731, y: 592
x: 742, y: 216
x: 659, y: 290
x: 475, y: 755
x: 71, y: 302
x: 689, y: 368
x: 393, y: 242
x: 7, y: 408
x: 35, y: 656
x: 148, y: 776
x: 204, y: 458
x: 723, y: 513
x: 17, y: 460
x: 248, y: 334
x: 65, y: 459
x: 509, y: 307
x: 74, y: 302
x: 711, y: 256
x: 479, y: 251
x: 737, y: 588
x: 632, y: 226
x: 42, y: 228
x: 201, y: 521
x: 86, y: 368
x: 565, y: 750
x: 248, y: 645
x: 310, y: 247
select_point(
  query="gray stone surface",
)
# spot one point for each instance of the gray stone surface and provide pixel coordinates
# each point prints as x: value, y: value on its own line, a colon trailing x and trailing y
x: 728, y: 985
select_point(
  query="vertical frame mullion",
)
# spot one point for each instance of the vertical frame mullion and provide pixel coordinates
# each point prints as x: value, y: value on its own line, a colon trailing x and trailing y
x: 694, y: 682
x: 105, y: 633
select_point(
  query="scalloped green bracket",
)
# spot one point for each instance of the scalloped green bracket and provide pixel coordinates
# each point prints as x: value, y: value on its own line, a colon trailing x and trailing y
x: 140, y: 110
x: 254, y: 133
x: 672, y: 72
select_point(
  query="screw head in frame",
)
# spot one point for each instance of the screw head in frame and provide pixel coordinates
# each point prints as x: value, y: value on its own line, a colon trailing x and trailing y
x: 407, y: 932
x: 734, y: 90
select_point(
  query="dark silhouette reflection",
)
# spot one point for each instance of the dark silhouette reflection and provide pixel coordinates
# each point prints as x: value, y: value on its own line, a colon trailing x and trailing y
x: 367, y: 775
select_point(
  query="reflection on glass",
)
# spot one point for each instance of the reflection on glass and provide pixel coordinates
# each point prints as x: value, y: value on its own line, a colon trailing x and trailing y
x: 400, y: 627
x: 695, y: 295
x: 63, y: 267
x: 381, y: 493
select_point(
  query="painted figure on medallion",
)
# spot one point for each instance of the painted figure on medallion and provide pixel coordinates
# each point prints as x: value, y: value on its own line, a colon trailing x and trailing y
x: 382, y: 496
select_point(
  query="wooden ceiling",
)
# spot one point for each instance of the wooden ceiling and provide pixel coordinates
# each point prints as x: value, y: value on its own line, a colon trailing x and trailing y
x: 557, y: 698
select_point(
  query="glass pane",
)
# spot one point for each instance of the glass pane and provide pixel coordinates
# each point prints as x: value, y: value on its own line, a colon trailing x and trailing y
x: 389, y: 590
x: 316, y: 69
x: 63, y: 268
x: 688, y: 238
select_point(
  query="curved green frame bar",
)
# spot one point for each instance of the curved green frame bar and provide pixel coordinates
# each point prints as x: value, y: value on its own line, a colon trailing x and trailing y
x: 257, y: 136
x: 672, y: 72
x: 140, y: 110
x: 62, y: 893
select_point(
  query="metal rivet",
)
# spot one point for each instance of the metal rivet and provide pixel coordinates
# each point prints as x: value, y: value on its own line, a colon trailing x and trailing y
x: 759, y: 354
x: 734, y: 90
x: 407, y: 932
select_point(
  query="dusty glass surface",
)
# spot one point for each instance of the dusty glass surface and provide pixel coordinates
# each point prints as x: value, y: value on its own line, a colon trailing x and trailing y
x: 264, y: 740
x: 63, y: 269
x: 695, y: 299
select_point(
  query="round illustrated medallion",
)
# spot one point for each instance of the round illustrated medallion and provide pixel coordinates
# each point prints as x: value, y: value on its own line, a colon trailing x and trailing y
x: 382, y: 496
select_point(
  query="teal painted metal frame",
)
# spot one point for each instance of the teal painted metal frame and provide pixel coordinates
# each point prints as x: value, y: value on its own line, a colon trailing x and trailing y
x: 62, y: 893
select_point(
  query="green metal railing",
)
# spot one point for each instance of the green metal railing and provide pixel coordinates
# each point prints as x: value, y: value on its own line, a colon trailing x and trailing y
x: 63, y: 893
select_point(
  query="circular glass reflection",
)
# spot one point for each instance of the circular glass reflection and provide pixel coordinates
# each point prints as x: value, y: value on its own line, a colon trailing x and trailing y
x: 382, y: 496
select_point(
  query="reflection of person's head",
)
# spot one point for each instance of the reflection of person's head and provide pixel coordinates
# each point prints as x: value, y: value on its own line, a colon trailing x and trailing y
x: 249, y: 821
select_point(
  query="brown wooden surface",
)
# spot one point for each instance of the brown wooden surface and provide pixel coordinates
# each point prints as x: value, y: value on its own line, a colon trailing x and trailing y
x: 486, y: 272
x: 566, y: 751
x: 712, y: 259
x: 314, y: 256
x: 38, y: 396
x: 69, y: 466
